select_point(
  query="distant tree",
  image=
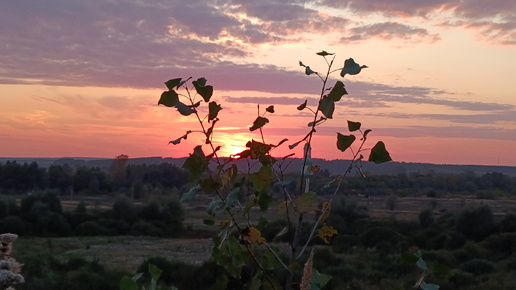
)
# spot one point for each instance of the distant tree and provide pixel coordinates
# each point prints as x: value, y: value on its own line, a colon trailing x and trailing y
x: 60, y: 176
x: 117, y: 170
x: 426, y: 218
x: 475, y: 223
x: 123, y: 209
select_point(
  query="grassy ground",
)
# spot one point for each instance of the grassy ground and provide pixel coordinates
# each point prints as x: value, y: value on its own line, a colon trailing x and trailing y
x: 122, y: 252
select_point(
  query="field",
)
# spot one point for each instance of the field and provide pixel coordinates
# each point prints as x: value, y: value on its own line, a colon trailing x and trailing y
x: 128, y: 252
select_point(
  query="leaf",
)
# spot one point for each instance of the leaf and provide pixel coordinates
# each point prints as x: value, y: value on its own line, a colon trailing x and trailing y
x: 310, y: 169
x: 262, y: 179
x: 126, y: 283
x: 201, y: 82
x: 214, y: 110
x: 270, y: 109
x: 366, y: 132
x: 168, y: 98
x: 196, y: 164
x: 173, y: 83
x: 425, y: 286
x: 184, y: 109
x: 241, y: 155
x: 249, y: 235
x: 327, y: 106
x: 309, y: 71
x: 155, y: 271
x: 292, y: 146
x: 229, y: 175
x: 344, y: 141
x: 319, y: 280
x: 258, y: 123
x: 281, y: 142
x: 307, y: 272
x: 221, y: 283
x: 353, y: 126
x: 286, y: 182
x: 325, y: 211
x: 215, y: 206
x: 324, y: 53
x: 205, y: 91
x: 326, y: 233
x: 210, y: 131
x: 265, y: 201
x: 178, y: 140
x: 190, y: 195
x: 379, y: 154
x: 321, y: 119
x: 209, y: 184
x: 282, y: 232
x: 137, y: 276
x: 421, y: 264
x: 232, y: 197
x: 351, y: 67
x: 337, y: 91
x: 306, y: 202
x: 301, y: 64
x: 302, y: 106
x: 258, y: 149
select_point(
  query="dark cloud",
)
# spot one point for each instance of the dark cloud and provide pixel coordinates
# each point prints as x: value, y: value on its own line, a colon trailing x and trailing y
x: 131, y: 43
x: 486, y: 132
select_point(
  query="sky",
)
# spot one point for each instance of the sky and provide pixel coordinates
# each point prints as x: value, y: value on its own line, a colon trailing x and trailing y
x: 83, y: 78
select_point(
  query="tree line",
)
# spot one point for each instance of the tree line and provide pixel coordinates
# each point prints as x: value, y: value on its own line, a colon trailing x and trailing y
x: 137, y: 180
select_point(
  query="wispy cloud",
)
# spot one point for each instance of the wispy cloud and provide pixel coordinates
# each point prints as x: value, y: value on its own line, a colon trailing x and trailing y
x: 389, y: 31
x: 495, y: 21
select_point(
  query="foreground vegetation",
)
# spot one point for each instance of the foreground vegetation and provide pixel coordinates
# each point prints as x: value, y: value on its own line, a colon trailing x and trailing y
x: 465, y: 226
x: 465, y: 247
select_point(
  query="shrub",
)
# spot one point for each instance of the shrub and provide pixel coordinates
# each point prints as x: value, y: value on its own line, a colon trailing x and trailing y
x: 91, y: 228
x: 475, y: 223
x: 508, y: 224
x: 13, y: 224
x: 175, y: 273
x: 426, y: 218
x: 478, y: 266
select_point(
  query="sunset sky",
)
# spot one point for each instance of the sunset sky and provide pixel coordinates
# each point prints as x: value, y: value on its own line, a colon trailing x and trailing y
x: 83, y: 78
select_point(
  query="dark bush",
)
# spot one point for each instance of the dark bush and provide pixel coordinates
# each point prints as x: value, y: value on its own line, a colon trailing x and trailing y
x: 478, y: 266
x: 13, y: 224
x: 475, y: 223
x: 508, y: 224
x: 426, y: 218
x: 502, y: 243
x: 91, y: 228
x: 143, y: 228
x: 123, y: 209
x: 175, y: 273
x: 7, y: 207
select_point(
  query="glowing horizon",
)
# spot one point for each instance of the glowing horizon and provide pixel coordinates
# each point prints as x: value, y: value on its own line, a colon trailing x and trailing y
x: 84, y: 80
